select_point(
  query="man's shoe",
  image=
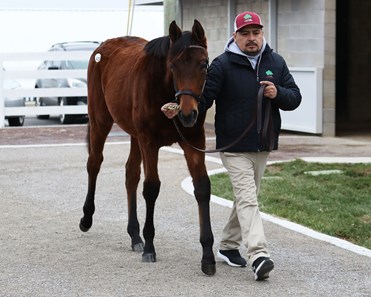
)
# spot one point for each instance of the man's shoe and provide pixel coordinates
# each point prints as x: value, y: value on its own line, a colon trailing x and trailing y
x: 232, y: 257
x: 261, y: 267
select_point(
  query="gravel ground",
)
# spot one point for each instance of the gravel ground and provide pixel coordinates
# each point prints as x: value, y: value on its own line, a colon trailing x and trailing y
x: 43, y: 252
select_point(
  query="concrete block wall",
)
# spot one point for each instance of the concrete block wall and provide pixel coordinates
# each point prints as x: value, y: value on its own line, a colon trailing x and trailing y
x: 300, y: 30
x: 213, y: 16
x: 306, y: 37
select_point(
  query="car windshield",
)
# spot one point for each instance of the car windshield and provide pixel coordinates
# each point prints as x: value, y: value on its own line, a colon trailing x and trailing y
x: 76, y: 64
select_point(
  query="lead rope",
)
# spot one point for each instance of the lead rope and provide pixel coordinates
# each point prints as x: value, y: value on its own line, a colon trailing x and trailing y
x: 257, y: 117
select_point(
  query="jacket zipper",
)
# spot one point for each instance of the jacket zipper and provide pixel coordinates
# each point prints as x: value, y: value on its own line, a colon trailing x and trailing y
x: 258, y: 80
x: 257, y: 69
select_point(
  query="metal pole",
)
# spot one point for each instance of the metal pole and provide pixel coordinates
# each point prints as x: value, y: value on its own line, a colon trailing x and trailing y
x: 132, y: 17
x: 128, y: 22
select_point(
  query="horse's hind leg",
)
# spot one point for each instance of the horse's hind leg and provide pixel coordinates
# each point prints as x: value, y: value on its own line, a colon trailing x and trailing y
x: 131, y: 182
x: 96, y: 138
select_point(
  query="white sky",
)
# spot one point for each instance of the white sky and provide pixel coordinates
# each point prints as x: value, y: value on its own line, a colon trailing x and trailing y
x: 35, y: 25
x: 69, y: 4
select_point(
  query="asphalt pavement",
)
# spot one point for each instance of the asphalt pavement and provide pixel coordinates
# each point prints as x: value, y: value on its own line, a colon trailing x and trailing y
x: 43, y: 184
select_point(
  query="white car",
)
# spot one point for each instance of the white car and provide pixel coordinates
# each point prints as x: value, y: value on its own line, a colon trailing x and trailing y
x: 10, y: 84
x: 65, y: 83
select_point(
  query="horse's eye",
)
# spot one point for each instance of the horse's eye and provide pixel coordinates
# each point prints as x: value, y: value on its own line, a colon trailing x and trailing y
x: 204, y: 66
x: 171, y: 67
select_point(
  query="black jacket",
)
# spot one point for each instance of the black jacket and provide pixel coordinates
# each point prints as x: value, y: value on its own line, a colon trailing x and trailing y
x: 234, y: 84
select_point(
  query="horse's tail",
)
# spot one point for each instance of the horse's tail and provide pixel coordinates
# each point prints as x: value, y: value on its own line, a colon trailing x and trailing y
x: 93, y: 80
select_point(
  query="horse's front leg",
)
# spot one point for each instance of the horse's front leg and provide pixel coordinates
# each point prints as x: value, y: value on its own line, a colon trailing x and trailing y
x: 151, y: 189
x: 201, y: 183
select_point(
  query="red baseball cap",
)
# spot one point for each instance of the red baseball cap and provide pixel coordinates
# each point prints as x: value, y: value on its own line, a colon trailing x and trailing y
x: 247, y: 18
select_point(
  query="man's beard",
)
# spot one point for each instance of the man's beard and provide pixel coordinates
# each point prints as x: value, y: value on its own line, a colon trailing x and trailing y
x: 252, y: 53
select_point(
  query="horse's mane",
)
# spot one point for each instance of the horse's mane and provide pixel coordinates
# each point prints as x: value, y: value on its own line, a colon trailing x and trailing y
x: 159, y: 47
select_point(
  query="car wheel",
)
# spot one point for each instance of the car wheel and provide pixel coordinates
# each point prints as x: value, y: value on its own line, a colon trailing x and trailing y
x: 41, y: 116
x: 64, y: 118
x: 16, y: 121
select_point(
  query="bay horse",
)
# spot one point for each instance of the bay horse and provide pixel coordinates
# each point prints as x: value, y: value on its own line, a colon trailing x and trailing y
x: 129, y: 79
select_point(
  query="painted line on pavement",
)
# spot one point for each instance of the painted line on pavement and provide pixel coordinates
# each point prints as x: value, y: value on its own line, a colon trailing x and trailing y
x: 10, y: 146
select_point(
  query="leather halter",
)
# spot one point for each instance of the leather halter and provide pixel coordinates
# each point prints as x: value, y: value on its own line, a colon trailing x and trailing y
x: 187, y: 92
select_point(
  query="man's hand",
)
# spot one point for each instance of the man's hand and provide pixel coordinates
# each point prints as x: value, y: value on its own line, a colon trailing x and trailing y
x: 270, y: 90
x: 170, y: 109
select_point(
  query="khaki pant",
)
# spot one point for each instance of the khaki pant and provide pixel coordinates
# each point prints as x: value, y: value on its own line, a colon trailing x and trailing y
x: 245, y: 224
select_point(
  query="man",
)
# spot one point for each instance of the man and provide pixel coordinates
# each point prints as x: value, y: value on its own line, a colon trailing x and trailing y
x: 233, y: 82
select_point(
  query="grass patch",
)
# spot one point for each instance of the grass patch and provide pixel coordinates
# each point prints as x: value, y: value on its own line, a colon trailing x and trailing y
x: 337, y: 204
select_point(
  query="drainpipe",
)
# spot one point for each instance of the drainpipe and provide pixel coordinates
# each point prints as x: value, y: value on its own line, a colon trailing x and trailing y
x: 231, y: 17
x: 172, y: 11
x: 273, y: 24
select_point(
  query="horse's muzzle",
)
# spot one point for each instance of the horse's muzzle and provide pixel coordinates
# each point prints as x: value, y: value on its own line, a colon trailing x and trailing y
x: 188, y: 120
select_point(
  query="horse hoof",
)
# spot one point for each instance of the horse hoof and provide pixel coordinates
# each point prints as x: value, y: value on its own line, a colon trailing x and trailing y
x: 83, y: 228
x: 208, y: 269
x: 138, y: 247
x: 149, y: 257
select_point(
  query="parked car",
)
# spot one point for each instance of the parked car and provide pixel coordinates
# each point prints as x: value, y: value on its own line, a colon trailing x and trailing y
x: 67, y: 82
x: 10, y: 84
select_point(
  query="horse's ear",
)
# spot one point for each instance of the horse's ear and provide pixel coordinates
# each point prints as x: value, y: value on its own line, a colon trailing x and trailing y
x: 174, y: 32
x: 198, y: 32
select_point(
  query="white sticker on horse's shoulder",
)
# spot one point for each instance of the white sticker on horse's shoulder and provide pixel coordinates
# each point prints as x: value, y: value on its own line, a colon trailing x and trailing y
x: 97, y: 57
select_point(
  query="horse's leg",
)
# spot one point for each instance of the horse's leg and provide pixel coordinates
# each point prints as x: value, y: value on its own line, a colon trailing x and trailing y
x: 151, y: 189
x: 96, y: 138
x: 201, y: 182
x: 131, y: 183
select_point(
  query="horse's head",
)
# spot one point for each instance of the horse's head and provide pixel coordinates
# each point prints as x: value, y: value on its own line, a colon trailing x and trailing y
x: 188, y: 62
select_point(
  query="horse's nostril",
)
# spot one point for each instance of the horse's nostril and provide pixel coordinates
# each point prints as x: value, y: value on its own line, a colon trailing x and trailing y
x: 188, y: 120
x: 194, y: 114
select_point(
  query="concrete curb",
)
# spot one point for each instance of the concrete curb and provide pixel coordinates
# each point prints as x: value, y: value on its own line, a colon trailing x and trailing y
x: 188, y: 187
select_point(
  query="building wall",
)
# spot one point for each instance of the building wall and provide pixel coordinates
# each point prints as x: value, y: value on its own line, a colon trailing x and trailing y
x: 213, y: 16
x: 305, y: 36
